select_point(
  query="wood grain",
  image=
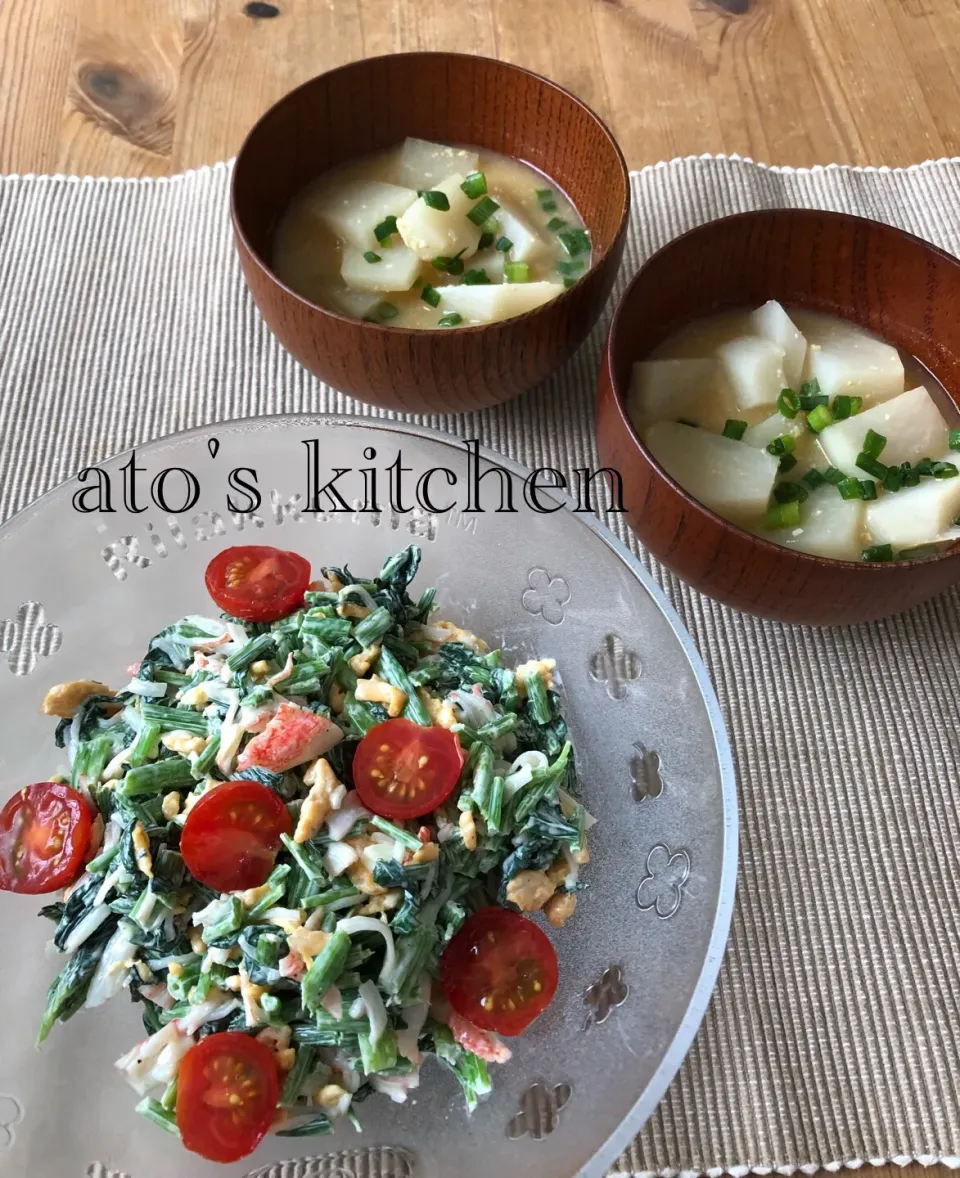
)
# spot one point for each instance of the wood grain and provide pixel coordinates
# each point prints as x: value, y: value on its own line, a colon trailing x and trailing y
x: 150, y: 87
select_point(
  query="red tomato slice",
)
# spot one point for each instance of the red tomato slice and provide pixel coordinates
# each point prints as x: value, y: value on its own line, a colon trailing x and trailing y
x: 44, y: 835
x: 500, y: 971
x: 256, y: 582
x: 231, y: 836
x: 403, y: 770
x: 227, y: 1091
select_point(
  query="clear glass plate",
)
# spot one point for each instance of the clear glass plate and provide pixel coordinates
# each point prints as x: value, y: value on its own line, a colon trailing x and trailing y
x: 82, y: 594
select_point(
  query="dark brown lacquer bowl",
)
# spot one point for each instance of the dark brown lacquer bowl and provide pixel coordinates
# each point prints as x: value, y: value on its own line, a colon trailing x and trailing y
x: 882, y: 278
x: 453, y: 98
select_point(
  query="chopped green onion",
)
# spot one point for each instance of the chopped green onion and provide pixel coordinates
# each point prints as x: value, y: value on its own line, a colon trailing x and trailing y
x: 850, y: 489
x: 783, y: 444
x: 814, y: 478
x: 556, y: 223
x: 919, y: 552
x: 868, y: 489
x: 504, y: 244
x: 447, y: 265
x: 893, y: 479
x: 877, y: 553
x: 371, y: 257
x: 874, y: 443
x: 810, y: 388
x: 155, y: 778
x: 517, y: 272
x: 436, y: 200
x: 482, y: 211
x: 430, y: 295
x: 486, y: 241
x: 546, y: 200
x: 819, y: 418
x: 924, y: 466
x: 574, y: 241
x: 386, y: 229
x: 475, y: 185
x: 324, y: 971
x: 945, y: 470
x: 953, y: 442
x: 810, y: 401
x: 734, y: 429
x: 844, y: 406
x: 154, y: 1111
x: 790, y: 492
x: 911, y: 474
x: 833, y: 476
x: 787, y: 462
x: 478, y: 277
x: 382, y: 312
x: 568, y: 282
x: 868, y: 463
x: 783, y: 515
x: 569, y: 268
x: 451, y: 319
x: 788, y: 403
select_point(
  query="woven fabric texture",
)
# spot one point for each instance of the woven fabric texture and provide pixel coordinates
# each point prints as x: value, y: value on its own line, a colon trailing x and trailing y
x: 833, y: 1034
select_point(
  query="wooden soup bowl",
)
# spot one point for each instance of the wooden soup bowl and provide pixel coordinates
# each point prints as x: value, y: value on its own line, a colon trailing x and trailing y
x: 453, y: 98
x: 898, y: 286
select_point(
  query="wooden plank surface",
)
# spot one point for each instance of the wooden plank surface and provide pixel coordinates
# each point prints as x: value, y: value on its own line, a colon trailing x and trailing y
x: 151, y: 87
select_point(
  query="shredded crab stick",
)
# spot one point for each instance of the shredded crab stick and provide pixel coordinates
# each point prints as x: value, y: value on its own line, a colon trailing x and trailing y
x: 282, y: 837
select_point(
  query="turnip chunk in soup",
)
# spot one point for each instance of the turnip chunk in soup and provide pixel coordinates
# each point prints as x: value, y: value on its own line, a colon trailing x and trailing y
x: 805, y: 429
x: 431, y: 236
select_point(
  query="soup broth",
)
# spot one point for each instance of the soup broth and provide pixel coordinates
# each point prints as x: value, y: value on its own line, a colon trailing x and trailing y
x: 807, y: 430
x: 361, y: 241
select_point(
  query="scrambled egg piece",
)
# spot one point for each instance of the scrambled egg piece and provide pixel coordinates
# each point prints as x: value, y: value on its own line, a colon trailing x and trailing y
x: 468, y: 828
x: 141, y: 850
x: 379, y: 691
x: 308, y: 943
x: 170, y: 806
x: 529, y: 890
x: 559, y: 908
x: 543, y: 667
x: 326, y: 794
x: 440, y: 710
x: 183, y: 742
x: 250, y: 995
x: 361, y: 663
x: 64, y: 699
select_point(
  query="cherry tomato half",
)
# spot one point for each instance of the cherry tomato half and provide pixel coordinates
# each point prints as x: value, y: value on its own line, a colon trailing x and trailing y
x: 500, y: 971
x: 232, y: 834
x: 256, y: 582
x: 403, y: 770
x: 44, y: 835
x: 227, y: 1091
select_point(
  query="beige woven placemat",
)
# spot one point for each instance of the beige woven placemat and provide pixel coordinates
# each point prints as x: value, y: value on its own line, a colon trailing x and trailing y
x: 834, y: 1032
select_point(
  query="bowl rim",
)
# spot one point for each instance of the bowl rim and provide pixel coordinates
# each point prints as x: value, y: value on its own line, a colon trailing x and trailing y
x: 430, y: 332
x: 727, y: 526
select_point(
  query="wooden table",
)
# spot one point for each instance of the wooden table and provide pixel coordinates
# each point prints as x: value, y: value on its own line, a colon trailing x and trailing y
x: 150, y: 87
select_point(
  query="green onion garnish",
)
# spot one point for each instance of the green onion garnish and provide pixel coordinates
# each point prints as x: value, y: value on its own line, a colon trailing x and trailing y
x: 790, y: 492
x: 784, y: 444
x: 877, y: 553
x: 477, y: 277
x: 545, y: 197
x: 783, y: 515
x: 814, y: 478
x: 475, y: 185
x: 924, y: 466
x: 447, y: 265
x: 787, y: 462
x: 504, y: 244
x: 850, y: 489
x: 812, y: 400
x: 945, y: 470
x: 911, y: 476
x: 874, y: 443
x: 734, y: 429
x: 430, y: 295
x: 893, y: 479
x: 844, y: 406
x: 451, y: 319
x: 382, y: 312
x: 569, y: 267
x: 386, y: 228
x: 486, y: 241
x: 574, y: 241
x: 919, y: 552
x: 516, y: 272
x: 436, y: 200
x: 833, y: 476
x: 482, y: 211
x: 954, y: 440
x: 788, y: 403
x: 556, y: 223
x: 370, y: 256
x: 568, y: 282
x: 868, y: 489
x: 868, y: 463
x: 819, y: 418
